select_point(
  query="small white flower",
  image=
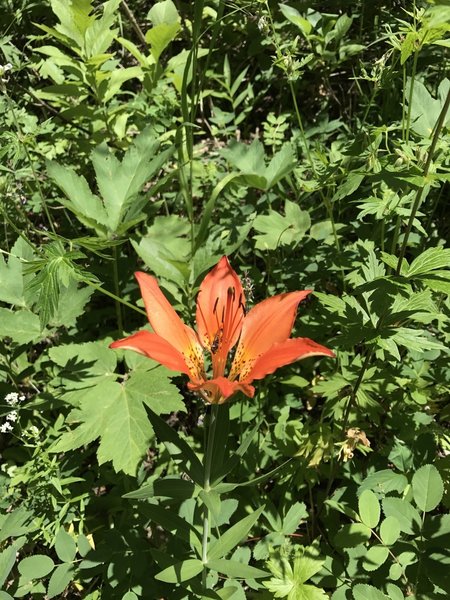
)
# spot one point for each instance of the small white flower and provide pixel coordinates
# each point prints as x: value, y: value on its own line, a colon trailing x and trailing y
x: 6, y: 427
x: 12, y: 416
x: 12, y: 398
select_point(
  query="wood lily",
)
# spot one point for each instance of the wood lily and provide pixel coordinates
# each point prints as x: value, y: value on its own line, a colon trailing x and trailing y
x: 261, y: 335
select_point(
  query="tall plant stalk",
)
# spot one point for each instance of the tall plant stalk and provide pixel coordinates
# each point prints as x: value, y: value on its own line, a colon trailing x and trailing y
x: 206, y: 486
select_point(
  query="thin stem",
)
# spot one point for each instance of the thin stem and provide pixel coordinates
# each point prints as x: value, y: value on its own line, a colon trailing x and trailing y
x: 114, y: 297
x: 206, y: 486
x: 117, y: 291
x: 418, y: 198
x: 134, y: 23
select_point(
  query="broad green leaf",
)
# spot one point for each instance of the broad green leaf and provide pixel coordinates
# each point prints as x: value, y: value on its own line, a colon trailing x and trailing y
x: 160, y: 36
x: 424, y: 108
x: 5, y: 596
x: 394, y: 592
x: 233, y: 568
x: 407, y: 516
x: 296, y: 513
x: 13, y: 277
x: 181, y: 571
x: 164, y: 11
x: 21, y: 326
x: 70, y: 306
x: 130, y: 596
x: 295, y: 17
x: 80, y: 200
x: 65, y: 546
x: 8, y: 558
x: 363, y: 591
x: 277, y: 230
x: 36, y: 566
x: 428, y: 487
x: 231, y: 538
x: 375, y: 557
x: 389, y: 530
x: 112, y: 411
x: 120, y: 182
x: 369, y: 509
x: 16, y: 523
x: 60, y: 579
x: 384, y: 481
x: 212, y: 501
x: 83, y: 365
x: 430, y: 260
x: 352, y: 535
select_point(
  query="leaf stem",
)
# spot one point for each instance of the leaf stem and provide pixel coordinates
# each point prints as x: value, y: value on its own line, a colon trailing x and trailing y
x: 418, y: 198
x: 117, y: 291
x: 206, y: 486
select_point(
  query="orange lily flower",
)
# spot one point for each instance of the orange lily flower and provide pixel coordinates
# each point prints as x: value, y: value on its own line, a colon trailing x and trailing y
x: 261, y: 335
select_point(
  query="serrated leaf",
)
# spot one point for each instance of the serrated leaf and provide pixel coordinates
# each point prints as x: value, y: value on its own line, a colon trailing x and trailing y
x: 385, y: 481
x: 119, y: 182
x: 363, y: 591
x: 60, y: 579
x: 375, y: 557
x: 35, y: 567
x: 369, y: 509
x: 8, y: 558
x: 389, y: 530
x: 79, y: 198
x: 428, y: 488
x: 352, y: 535
x: 21, y: 326
x: 277, y: 230
x: 83, y: 365
x: 13, y: 277
x: 407, y: 516
x: 293, y: 517
x: 181, y: 571
x: 112, y: 411
x: 65, y: 546
x: 70, y: 305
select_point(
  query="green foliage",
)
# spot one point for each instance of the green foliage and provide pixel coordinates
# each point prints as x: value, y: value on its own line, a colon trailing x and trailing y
x: 310, y: 146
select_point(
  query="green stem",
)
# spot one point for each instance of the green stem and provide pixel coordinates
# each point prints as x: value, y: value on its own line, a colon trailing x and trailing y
x: 114, y: 297
x: 418, y: 198
x: 117, y: 291
x: 206, y: 486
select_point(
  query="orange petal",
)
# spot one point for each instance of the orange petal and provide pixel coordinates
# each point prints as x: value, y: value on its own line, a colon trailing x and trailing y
x: 268, y: 323
x: 163, y: 318
x: 220, y: 308
x: 285, y: 353
x: 155, y: 347
x: 219, y: 389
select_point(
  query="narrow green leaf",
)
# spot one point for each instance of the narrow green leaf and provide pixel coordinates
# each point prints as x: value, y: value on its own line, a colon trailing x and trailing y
x: 181, y: 571
x: 169, y: 487
x: 428, y: 488
x: 233, y: 568
x: 233, y: 536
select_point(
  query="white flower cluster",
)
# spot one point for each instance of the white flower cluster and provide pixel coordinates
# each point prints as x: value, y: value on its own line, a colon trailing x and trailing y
x: 12, y: 399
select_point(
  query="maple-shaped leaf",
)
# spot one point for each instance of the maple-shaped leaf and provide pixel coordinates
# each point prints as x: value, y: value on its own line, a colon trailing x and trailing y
x: 114, y: 413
